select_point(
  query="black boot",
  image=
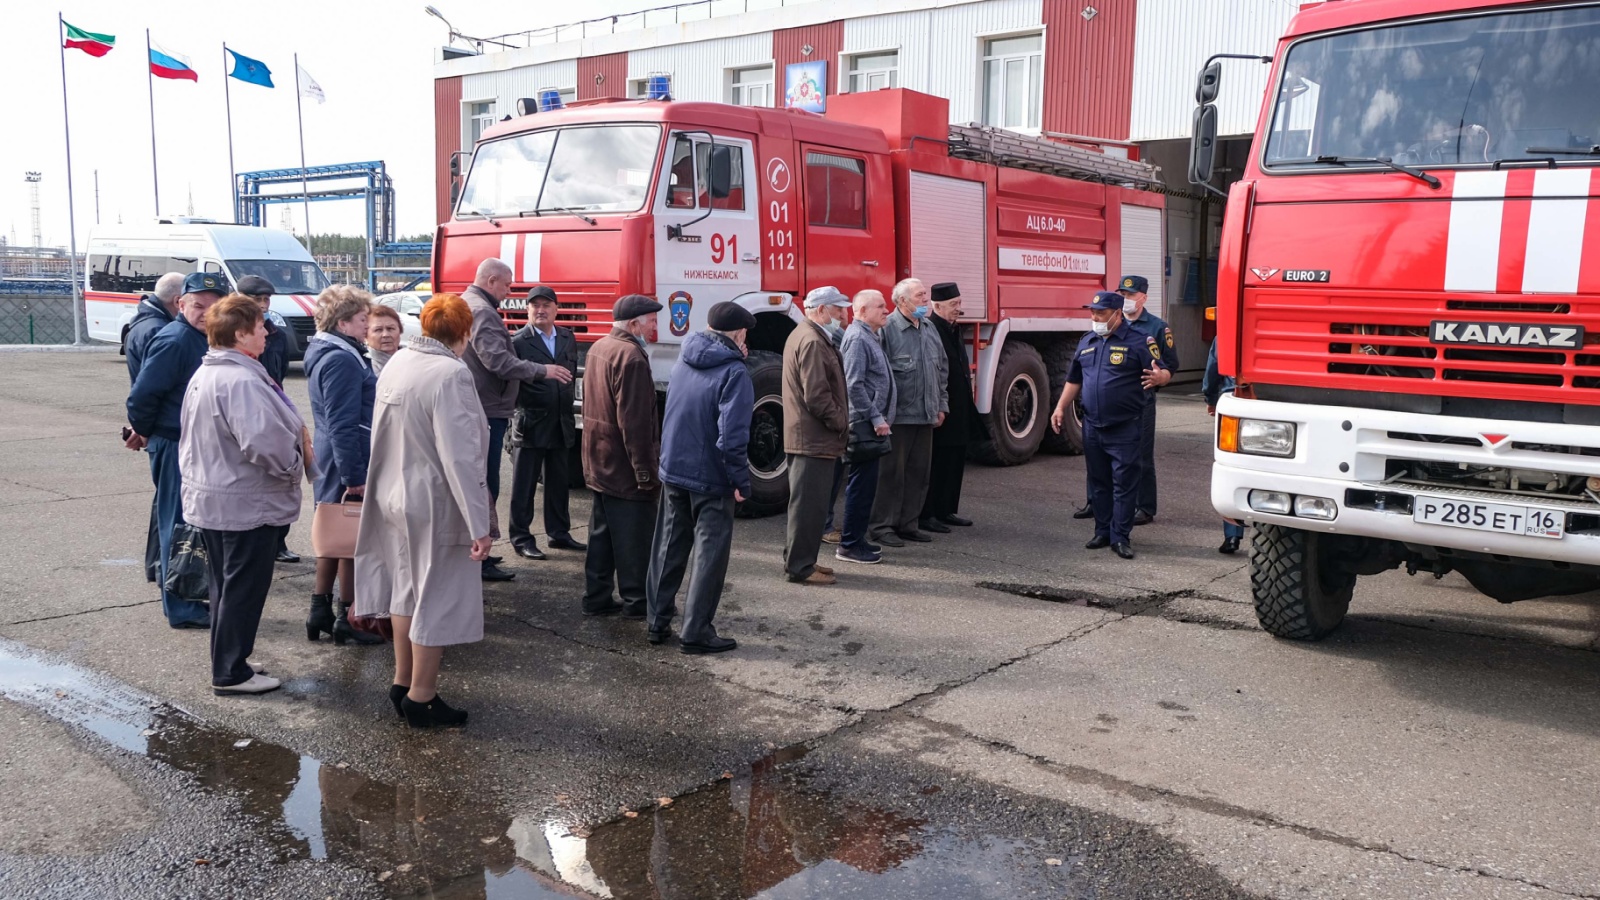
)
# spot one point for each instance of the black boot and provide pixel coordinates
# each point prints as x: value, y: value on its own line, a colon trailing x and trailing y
x: 343, y: 632
x: 434, y: 713
x: 320, y: 621
x: 397, y: 695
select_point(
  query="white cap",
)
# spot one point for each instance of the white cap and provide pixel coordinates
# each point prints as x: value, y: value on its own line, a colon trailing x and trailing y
x: 827, y: 295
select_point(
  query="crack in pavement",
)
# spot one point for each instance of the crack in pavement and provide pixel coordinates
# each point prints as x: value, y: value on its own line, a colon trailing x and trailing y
x: 82, y: 612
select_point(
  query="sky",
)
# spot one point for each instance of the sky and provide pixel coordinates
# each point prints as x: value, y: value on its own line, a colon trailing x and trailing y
x: 373, y: 59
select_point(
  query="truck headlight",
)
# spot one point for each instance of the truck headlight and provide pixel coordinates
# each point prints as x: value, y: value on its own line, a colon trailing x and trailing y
x: 1261, y: 437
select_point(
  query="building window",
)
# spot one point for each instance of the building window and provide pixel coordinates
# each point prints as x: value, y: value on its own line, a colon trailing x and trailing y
x: 836, y: 190
x: 480, y: 115
x: 1013, y: 78
x: 872, y: 71
x: 751, y: 87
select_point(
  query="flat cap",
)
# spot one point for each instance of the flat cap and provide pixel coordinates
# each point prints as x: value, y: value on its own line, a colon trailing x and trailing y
x: 254, y: 285
x: 944, y: 290
x: 630, y: 307
x: 827, y: 295
x: 540, y: 292
x: 729, y: 316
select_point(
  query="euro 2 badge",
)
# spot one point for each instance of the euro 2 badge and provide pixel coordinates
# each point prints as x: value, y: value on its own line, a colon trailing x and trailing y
x: 678, y: 305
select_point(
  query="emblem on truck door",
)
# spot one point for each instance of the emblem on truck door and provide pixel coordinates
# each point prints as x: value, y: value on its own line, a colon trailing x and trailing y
x: 1507, y: 334
x: 1264, y: 274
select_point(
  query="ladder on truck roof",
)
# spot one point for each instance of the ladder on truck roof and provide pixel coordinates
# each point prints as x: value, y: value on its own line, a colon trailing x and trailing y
x: 985, y: 143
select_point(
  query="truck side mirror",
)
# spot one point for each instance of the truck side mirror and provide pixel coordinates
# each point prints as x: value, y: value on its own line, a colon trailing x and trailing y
x: 720, y: 176
x: 455, y: 193
x: 455, y: 165
x: 1203, y: 145
x: 1210, y: 83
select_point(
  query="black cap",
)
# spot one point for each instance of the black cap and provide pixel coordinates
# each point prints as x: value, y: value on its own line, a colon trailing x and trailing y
x: 945, y: 290
x: 730, y: 316
x: 205, y: 283
x: 1105, y: 300
x: 540, y: 292
x: 630, y: 307
x: 254, y: 285
x: 1137, y: 284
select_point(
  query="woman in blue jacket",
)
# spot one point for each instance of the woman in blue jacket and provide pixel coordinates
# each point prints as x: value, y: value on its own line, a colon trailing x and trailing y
x: 342, y: 389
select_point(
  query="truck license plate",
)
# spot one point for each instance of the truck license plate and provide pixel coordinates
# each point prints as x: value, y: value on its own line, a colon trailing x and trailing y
x: 1497, y: 517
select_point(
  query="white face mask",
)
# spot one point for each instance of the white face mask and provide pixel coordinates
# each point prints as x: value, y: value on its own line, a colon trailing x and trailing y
x: 1130, y: 308
x: 1101, y: 328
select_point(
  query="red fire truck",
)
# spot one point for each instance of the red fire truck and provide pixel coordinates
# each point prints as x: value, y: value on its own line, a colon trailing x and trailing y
x: 696, y: 203
x: 1409, y: 297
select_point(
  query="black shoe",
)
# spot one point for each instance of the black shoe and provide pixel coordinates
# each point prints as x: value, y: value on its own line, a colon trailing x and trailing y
x: 397, y: 695
x: 1229, y: 546
x: 933, y: 525
x: 194, y: 624
x: 492, y: 572
x: 657, y: 637
x: 1141, y: 517
x: 530, y: 551
x: 609, y: 609
x: 343, y: 632
x: 567, y: 543
x: 716, y: 644
x: 917, y: 536
x: 887, y: 539
x: 288, y: 556
x: 633, y: 613
x: 1098, y: 542
x: 958, y: 521
x: 495, y: 560
x: 433, y: 714
x: 1123, y: 550
x: 320, y: 621
x: 1085, y: 511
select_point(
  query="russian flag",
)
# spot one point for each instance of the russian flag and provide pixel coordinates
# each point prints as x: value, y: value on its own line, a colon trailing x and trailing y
x: 170, y: 65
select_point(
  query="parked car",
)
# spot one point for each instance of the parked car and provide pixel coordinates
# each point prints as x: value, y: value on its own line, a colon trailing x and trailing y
x: 409, y: 305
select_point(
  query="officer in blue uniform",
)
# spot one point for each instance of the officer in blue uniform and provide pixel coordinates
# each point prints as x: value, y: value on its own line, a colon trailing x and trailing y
x: 1133, y: 288
x: 1114, y: 369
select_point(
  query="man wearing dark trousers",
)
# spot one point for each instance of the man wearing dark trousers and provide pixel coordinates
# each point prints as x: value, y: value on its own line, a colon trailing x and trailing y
x: 917, y: 361
x: 150, y: 316
x: 1113, y: 368
x: 1133, y: 289
x: 621, y: 454
x: 497, y: 372
x: 705, y: 470
x: 542, y: 431
x: 961, y: 424
x: 815, y: 425
x: 275, y: 359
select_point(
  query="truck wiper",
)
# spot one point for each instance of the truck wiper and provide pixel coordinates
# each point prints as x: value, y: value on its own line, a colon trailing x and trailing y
x: 560, y: 209
x: 1418, y: 174
x: 478, y: 212
x: 1567, y: 151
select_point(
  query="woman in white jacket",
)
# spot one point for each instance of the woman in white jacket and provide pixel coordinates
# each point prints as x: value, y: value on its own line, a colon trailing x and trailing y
x: 242, y: 453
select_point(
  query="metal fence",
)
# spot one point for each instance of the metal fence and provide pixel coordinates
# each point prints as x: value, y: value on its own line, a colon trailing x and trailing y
x: 35, y: 320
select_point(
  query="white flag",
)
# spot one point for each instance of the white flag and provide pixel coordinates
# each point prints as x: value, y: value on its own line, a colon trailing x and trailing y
x: 309, y: 86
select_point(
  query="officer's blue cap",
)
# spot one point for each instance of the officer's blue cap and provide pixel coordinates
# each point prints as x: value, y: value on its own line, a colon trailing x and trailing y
x: 1105, y: 300
x: 204, y: 282
x: 1137, y: 284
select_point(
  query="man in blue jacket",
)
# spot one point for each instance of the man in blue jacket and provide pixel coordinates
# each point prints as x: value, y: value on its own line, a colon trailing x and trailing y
x: 152, y: 314
x: 155, y: 411
x: 705, y: 470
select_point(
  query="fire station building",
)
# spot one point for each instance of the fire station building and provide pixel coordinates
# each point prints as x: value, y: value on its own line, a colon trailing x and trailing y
x: 1117, y: 74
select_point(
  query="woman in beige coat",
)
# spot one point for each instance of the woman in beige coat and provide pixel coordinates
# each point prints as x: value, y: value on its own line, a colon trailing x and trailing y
x: 425, y: 523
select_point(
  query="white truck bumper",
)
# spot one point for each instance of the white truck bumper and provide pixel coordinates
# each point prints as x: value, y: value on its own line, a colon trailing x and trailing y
x: 1342, y: 454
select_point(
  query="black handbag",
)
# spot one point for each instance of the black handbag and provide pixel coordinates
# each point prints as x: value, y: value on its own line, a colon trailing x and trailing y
x: 188, y: 574
x: 865, y: 443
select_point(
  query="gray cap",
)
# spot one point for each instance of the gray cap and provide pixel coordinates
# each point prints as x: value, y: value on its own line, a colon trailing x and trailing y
x: 827, y: 295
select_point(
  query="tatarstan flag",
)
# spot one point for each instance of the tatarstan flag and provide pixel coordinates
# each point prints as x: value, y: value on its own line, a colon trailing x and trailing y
x: 88, y: 41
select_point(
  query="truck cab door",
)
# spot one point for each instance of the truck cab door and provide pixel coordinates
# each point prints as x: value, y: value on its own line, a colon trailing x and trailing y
x: 707, y: 240
x: 849, y: 219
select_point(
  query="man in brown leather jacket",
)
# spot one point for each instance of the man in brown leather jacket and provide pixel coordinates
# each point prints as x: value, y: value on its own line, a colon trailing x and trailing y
x: 621, y: 456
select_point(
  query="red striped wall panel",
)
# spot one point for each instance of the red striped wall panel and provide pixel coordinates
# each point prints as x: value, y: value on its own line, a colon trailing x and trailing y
x: 446, y: 139
x: 1088, y: 67
x: 788, y: 46
x: 603, y: 77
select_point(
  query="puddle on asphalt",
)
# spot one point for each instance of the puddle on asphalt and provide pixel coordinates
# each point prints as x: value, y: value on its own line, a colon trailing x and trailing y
x: 762, y: 833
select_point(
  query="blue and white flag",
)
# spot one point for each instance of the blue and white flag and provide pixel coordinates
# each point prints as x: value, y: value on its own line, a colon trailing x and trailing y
x: 253, y: 71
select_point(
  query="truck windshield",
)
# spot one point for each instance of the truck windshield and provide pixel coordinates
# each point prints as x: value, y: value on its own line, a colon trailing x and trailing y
x: 287, y: 276
x: 1477, y: 89
x: 602, y: 168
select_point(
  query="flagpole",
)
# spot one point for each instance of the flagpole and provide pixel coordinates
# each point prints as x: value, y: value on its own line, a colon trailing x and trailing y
x: 305, y: 193
x: 72, y: 223
x: 227, y: 102
x: 150, y: 83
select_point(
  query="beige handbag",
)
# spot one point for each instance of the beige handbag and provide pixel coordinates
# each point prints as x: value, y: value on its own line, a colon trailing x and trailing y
x: 334, y: 527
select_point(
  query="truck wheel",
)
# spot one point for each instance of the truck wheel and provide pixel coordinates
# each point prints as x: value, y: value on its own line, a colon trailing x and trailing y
x: 769, y: 468
x: 1058, y: 361
x: 1019, y: 415
x: 1296, y: 593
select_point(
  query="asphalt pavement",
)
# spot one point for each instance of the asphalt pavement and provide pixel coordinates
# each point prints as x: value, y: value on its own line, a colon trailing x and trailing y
x: 999, y: 713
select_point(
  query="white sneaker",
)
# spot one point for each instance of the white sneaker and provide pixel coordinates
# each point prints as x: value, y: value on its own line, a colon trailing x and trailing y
x: 258, y: 684
x: 255, y: 667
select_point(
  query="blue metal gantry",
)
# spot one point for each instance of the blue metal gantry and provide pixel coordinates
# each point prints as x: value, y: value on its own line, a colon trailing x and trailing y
x: 344, y: 181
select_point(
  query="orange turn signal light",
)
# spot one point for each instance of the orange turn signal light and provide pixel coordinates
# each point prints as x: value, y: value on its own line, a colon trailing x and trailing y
x: 1227, y: 434
x: 1211, y: 314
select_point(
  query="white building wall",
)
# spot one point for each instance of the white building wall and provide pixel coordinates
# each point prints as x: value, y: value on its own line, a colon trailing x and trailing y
x: 1173, y: 38
x: 699, y: 69
x: 504, y: 86
x: 941, y: 49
